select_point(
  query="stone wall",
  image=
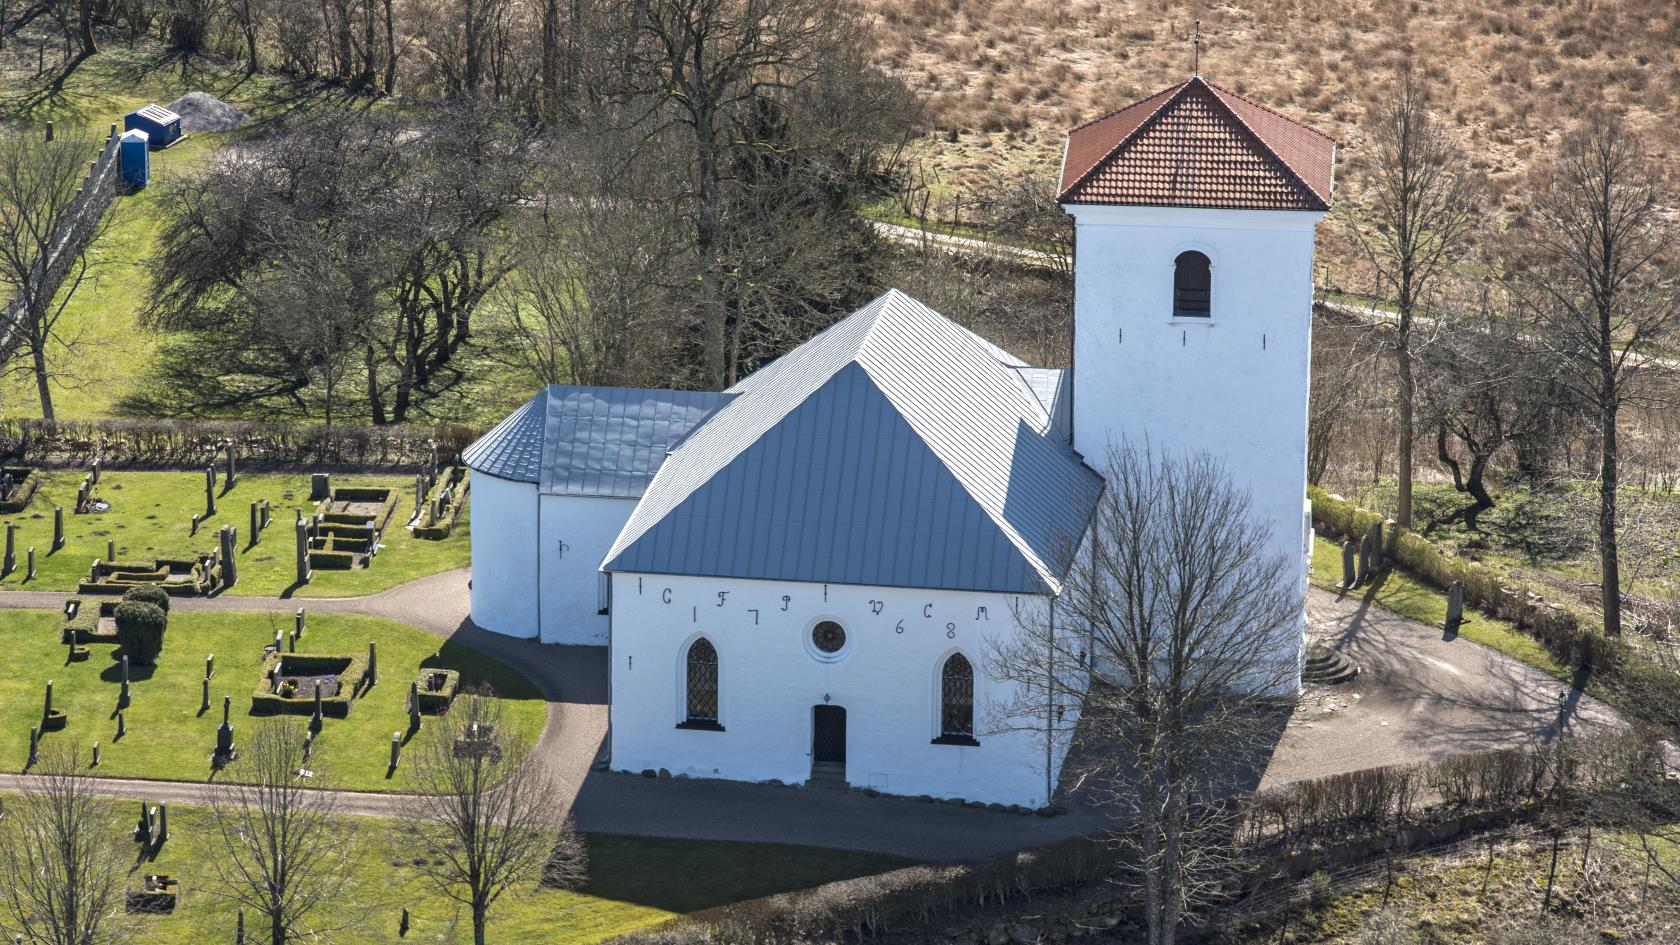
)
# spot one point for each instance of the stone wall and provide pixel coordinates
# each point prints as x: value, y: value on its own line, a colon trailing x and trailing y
x: 87, y: 208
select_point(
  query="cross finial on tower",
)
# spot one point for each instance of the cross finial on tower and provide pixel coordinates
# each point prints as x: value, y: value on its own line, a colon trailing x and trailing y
x: 1196, y: 61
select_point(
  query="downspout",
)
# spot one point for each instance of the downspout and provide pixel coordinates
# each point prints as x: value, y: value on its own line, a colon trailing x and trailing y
x: 1050, y: 709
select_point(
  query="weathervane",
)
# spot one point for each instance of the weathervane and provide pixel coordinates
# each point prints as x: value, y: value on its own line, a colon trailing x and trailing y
x: 1196, y: 67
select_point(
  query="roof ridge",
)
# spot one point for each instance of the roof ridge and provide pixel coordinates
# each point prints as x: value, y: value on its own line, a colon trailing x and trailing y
x: 1267, y: 108
x: 1260, y: 140
x: 1148, y: 120
x: 1132, y: 104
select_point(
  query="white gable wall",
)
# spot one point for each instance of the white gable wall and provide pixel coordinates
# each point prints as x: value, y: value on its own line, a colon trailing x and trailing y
x: 576, y: 532
x: 1234, y: 384
x: 887, y: 680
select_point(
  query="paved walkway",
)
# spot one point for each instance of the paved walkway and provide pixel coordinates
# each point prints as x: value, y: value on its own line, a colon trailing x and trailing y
x: 1420, y: 697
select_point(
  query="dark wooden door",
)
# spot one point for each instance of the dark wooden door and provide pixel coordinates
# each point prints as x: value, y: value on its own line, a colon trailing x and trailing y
x: 828, y: 737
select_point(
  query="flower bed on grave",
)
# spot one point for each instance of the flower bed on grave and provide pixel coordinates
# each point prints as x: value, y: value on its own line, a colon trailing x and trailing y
x: 286, y: 687
x: 442, y: 507
x: 23, y: 482
x: 89, y: 622
x: 437, y: 688
x: 179, y: 577
x: 157, y: 894
x: 369, y: 506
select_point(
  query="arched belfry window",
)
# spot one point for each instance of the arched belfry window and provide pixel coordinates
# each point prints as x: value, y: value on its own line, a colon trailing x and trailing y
x: 1192, y: 285
x: 956, y: 701
x: 702, y: 685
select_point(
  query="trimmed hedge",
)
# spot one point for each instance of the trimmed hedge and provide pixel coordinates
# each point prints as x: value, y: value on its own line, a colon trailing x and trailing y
x: 435, y: 701
x: 28, y: 481
x: 120, y: 576
x: 429, y: 530
x: 149, y: 594
x: 195, y: 444
x: 352, y: 677
x: 84, y: 626
x: 328, y: 559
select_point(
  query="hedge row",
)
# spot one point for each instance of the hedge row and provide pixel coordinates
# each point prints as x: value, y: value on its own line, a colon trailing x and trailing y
x: 434, y: 701
x: 388, y: 498
x: 1312, y: 813
x: 83, y: 626
x: 868, y: 905
x: 198, y: 443
x: 351, y: 679
x: 28, y: 480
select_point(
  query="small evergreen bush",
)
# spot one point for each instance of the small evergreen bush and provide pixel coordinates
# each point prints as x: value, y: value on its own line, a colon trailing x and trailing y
x: 148, y: 594
x: 140, y: 627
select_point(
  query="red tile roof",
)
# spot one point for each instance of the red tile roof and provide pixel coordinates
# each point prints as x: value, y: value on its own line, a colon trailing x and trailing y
x: 1198, y: 145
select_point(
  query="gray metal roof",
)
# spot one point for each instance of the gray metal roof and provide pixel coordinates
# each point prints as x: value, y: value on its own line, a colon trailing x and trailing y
x: 896, y: 448
x: 601, y: 441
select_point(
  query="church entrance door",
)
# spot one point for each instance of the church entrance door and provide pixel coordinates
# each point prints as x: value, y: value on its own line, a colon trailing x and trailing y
x: 828, y: 743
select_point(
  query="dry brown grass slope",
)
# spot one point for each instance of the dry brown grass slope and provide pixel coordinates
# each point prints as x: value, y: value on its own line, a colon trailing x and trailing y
x: 1010, y: 76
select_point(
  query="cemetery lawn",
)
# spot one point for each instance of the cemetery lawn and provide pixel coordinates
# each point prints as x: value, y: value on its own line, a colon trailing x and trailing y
x: 168, y: 739
x: 151, y: 517
x: 634, y: 882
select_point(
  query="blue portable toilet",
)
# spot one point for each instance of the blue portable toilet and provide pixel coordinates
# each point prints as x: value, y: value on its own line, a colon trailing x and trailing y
x: 162, y: 126
x: 133, y: 159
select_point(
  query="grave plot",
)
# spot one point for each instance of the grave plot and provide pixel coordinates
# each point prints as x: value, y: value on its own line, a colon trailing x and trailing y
x: 348, y: 524
x: 435, y: 690
x: 17, y: 488
x: 177, y: 576
x: 310, y: 684
x: 439, y: 500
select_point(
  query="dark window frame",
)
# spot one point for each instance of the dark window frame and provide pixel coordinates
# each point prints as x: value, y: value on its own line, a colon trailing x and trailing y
x: 956, y: 702
x: 1192, y: 285
x: 702, y: 689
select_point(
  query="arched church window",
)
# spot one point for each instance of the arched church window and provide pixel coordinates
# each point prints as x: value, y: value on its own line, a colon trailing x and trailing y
x: 702, y: 685
x: 956, y: 701
x: 1192, y: 285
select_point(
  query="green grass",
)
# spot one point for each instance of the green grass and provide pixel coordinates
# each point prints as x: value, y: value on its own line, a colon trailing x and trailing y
x: 151, y: 516
x: 634, y: 882
x: 168, y: 739
x: 1398, y: 592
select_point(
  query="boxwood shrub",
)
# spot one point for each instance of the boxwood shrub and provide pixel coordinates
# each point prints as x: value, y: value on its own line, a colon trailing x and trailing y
x: 352, y: 675
x: 140, y: 628
x: 148, y: 594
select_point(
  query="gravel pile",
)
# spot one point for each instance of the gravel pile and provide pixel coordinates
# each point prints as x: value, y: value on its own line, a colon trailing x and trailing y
x: 201, y: 111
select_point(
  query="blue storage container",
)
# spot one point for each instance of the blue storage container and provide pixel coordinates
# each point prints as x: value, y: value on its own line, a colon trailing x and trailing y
x: 162, y: 126
x: 133, y: 161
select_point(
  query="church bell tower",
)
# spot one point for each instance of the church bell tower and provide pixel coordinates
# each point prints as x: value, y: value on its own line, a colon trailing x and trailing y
x: 1195, y: 211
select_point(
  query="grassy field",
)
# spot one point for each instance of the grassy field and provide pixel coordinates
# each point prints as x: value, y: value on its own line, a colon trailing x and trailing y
x: 633, y: 882
x: 151, y: 516
x: 169, y: 739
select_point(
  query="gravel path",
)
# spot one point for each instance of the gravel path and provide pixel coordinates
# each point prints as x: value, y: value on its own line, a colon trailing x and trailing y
x: 1419, y: 696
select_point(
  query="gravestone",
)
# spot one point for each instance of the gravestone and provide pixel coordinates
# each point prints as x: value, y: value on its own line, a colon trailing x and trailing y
x: 58, y: 527
x: 110, y: 549
x: 320, y: 486
x: 1455, y: 605
x: 256, y: 525
x: 95, y: 763
x: 230, y: 556
x: 162, y: 825
x: 210, y: 666
x: 1377, y: 545
x: 93, y: 474
x: 194, y: 529
x: 302, y: 552
x: 10, y: 564
x: 46, y: 709
x: 315, y: 719
x: 204, y: 698
x: 123, y: 695
x: 1349, y: 575
x: 298, y: 623
x: 209, y: 491
x: 1364, y: 576
x: 143, y: 829
x: 29, y: 575
x: 232, y: 465
x: 414, y: 707
x: 264, y: 518
x: 396, y: 748
x: 373, y: 664
x: 225, y: 752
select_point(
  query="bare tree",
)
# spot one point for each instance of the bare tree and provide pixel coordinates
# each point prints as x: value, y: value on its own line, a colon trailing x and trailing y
x: 1422, y: 205
x: 281, y: 851
x: 1174, y: 635
x: 1594, y: 278
x: 40, y: 182
x: 63, y: 860
x: 484, y: 815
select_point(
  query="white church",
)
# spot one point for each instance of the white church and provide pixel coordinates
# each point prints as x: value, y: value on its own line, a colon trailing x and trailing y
x: 796, y: 578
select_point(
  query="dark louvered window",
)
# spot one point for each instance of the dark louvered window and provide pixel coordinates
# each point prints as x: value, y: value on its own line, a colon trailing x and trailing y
x: 702, y: 683
x: 956, y: 699
x: 1192, y: 285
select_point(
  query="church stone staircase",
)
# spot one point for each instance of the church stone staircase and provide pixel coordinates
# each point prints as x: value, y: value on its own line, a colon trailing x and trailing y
x: 1327, y: 667
x: 828, y: 775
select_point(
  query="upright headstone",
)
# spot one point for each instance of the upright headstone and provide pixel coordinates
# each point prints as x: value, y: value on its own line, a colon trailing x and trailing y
x: 46, y: 710
x: 315, y: 719
x: 204, y: 697
x: 1364, y: 575
x: 224, y: 734
x: 302, y: 553
x: 1377, y: 545
x: 94, y: 473
x: 414, y: 707
x: 194, y: 530
x: 209, y: 666
x: 297, y: 625
x: 232, y: 465
x: 95, y: 762
x: 256, y: 524
x: 34, y: 746
x: 162, y: 825
x: 29, y: 575
x: 320, y: 486
x: 396, y: 748
x: 84, y: 494
x: 373, y: 663
x: 230, y: 555
x: 143, y: 829
x: 110, y: 549
x: 10, y: 564
x: 122, y: 694
x: 58, y: 527
x: 265, y: 513
x: 209, y: 491
x: 1349, y: 575
x: 1455, y: 605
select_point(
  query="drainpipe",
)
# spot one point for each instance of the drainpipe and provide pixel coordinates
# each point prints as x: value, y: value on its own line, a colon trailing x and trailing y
x: 1050, y: 709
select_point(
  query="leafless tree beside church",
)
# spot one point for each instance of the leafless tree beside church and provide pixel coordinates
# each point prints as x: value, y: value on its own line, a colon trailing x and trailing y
x: 1595, y: 278
x: 1161, y: 666
x: 63, y: 859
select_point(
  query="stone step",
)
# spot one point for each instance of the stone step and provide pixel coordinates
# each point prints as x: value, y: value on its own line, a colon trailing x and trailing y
x: 1326, y: 667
